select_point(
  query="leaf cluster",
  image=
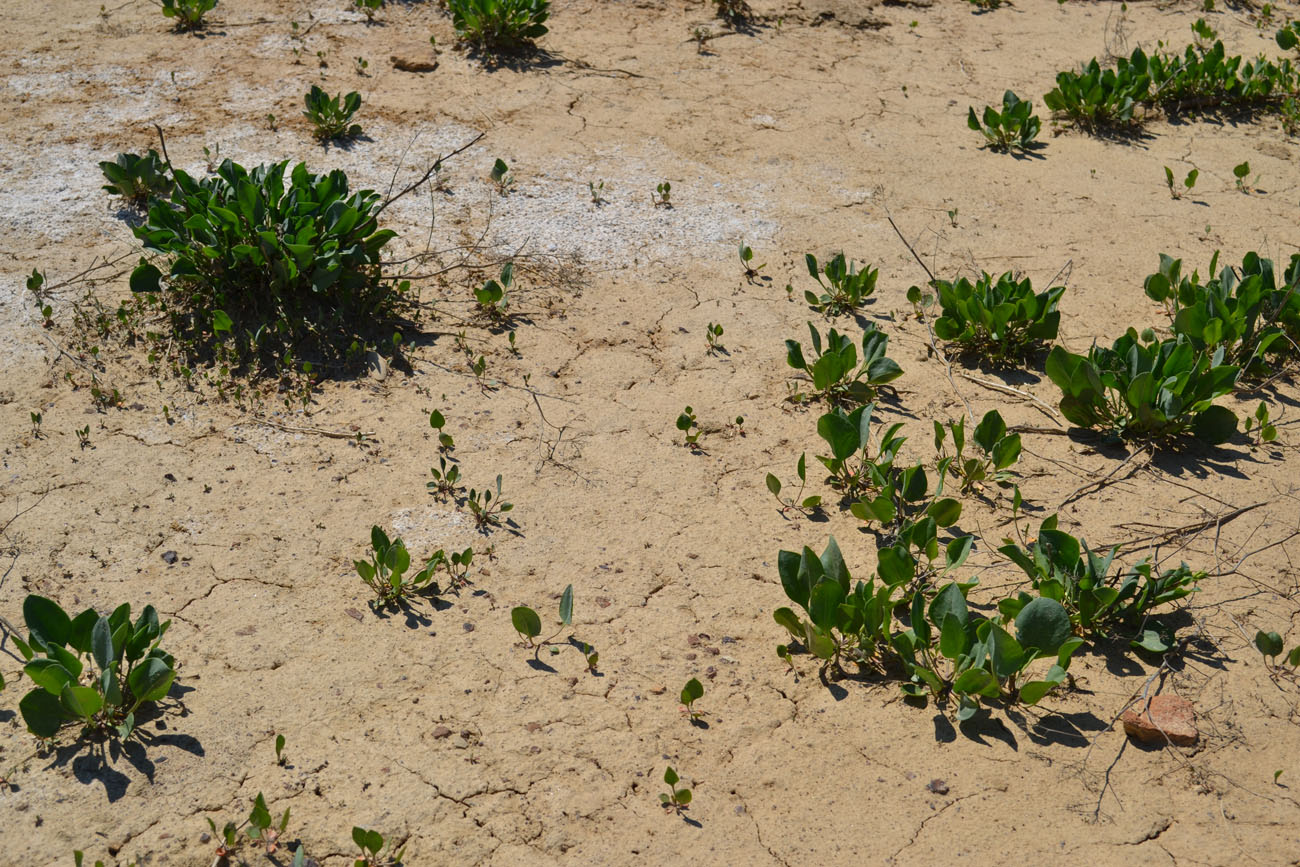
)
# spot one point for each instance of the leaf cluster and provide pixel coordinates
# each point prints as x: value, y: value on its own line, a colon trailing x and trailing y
x: 996, y: 451
x: 528, y: 624
x: 998, y: 320
x: 837, y: 374
x: 385, y: 572
x: 188, y: 13
x: 93, y: 669
x: 492, y: 298
x: 136, y: 178
x: 1147, y: 389
x: 845, y: 287
x: 1016, y: 127
x: 1101, y: 602
x: 265, y: 264
x: 1251, y: 312
x: 499, y: 25
x: 332, y: 115
x: 371, y: 844
x: 258, y: 828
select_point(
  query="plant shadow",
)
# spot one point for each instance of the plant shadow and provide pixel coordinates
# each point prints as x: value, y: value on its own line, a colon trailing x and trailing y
x: 96, y: 765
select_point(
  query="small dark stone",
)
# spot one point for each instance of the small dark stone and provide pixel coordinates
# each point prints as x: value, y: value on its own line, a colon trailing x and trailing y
x: 939, y: 787
x: 468, y: 627
x: 170, y: 557
x: 441, y: 732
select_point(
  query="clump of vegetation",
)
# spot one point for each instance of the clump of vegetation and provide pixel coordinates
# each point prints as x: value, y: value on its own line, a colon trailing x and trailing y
x: 136, y: 178
x: 385, y: 573
x: 662, y: 195
x: 265, y: 264
x: 675, y: 799
x: 492, y: 298
x: 1014, y: 128
x: 331, y: 116
x: 734, y: 12
x: 369, y: 7
x: 1271, y: 646
x: 837, y: 374
x: 496, y: 26
x: 1251, y: 312
x: 188, y: 13
x: 692, y: 692
x: 998, y: 451
x: 91, y: 669
x: 529, y: 626
x: 371, y: 844
x: 258, y: 829
x: 1147, y: 389
x: 798, y: 502
x: 487, y: 507
x: 997, y: 320
x: 1101, y: 604
x: 845, y: 287
x: 1176, y: 192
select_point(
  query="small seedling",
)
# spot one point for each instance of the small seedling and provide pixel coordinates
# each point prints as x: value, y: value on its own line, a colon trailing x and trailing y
x: 1188, y: 182
x: 361, y: 65
x: 1241, y: 173
x: 371, y: 844
x: 502, y: 178
x: 138, y: 179
x: 491, y: 299
x: 446, y: 480
x: 332, y: 116
x: 1013, y: 128
x: 676, y: 799
x: 952, y: 217
x: 597, y: 191
x: 746, y: 258
x: 798, y: 502
x: 1262, y: 426
x: 437, y: 421
x: 487, y: 508
x: 920, y: 300
x: 686, y: 423
x: 83, y: 436
x: 690, y: 693
x: 212, y: 157
x: 713, y: 333
x: 1270, y: 646
x: 188, y: 13
x: 661, y: 197
x: 258, y: 828
x: 529, y: 626
x: 37, y: 418
x: 280, y: 758
x: 845, y: 287
x: 270, y: 122
x: 514, y: 349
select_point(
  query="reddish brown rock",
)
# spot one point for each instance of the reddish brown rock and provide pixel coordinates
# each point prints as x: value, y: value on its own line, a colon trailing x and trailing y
x: 1167, y: 719
x: 415, y: 57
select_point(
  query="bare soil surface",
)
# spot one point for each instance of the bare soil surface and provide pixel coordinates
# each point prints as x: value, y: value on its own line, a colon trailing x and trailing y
x: 802, y: 133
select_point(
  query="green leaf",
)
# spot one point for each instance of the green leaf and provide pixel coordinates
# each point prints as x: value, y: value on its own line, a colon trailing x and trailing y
x: 945, y: 512
x: 145, y: 278
x: 101, y: 643
x: 43, y: 713
x: 787, y: 618
x: 221, y: 322
x: 46, y: 620
x: 1032, y: 693
x: 1215, y: 425
x: 49, y: 675
x: 949, y: 602
x: 692, y: 691
x: 566, y: 606
x: 670, y: 777
x: 81, y: 701
x: 150, y: 680
x: 526, y: 621
x: 1268, y: 643
x: 1043, y: 624
x: 974, y: 681
x: 1007, y: 655
x: 774, y: 484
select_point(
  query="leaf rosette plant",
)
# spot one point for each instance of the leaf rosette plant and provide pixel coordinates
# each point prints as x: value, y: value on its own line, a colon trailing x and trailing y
x: 274, y: 262
x: 1014, y: 128
x: 499, y: 25
x: 332, y: 115
x: 837, y: 373
x: 844, y: 287
x: 1146, y: 389
x: 137, y: 178
x: 92, y: 669
x: 999, y: 320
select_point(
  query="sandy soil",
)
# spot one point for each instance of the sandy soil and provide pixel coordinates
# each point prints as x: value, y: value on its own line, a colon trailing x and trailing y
x: 433, y: 726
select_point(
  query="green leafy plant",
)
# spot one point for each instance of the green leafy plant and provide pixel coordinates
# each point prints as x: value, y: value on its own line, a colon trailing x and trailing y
x: 998, y: 320
x: 37, y: 418
x: 266, y: 264
x: 1097, y: 99
x: 1241, y: 173
x: 529, y: 626
x: 662, y: 195
x: 1176, y: 192
x: 675, y: 799
x: 332, y: 115
x: 1102, y: 603
x: 837, y: 374
x: 93, y: 669
x: 501, y: 177
x: 798, y: 502
x: 845, y: 287
x: 446, y: 480
x: 690, y: 428
x: 713, y: 334
x: 492, y: 299
x: 1146, y: 389
x: 1014, y: 128
x: 258, y: 829
x: 986, y: 5
x: 385, y: 573
x: 486, y: 507
x: 438, y: 421
x: 1251, y: 312
x: 280, y: 757
x: 734, y: 11
x: 746, y: 261
x: 1270, y: 646
x: 83, y: 436
x: 1262, y: 426
x: 138, y: 179
x: 692, y: 692
x: 188, y: 13
x: 499, y: 25
x: 597, y: 191
x: 371, y: 844
x: 998, y: 451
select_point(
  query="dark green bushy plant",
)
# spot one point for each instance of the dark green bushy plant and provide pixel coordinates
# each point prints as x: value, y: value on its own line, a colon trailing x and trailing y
x: 276, y: 262
x: 1014, y: 128
x: 137, y: 178
x: 499, y: 25
x: 845, y: 287
x: 1101, y: 603
x: 332, y: 115
x: 1096, y: 98
x: 1146, y: 389
x: 1251, y: 312
x: 998, y: 451
x: 837, y: 374
x: 92, y: 669
x: 998, y: 320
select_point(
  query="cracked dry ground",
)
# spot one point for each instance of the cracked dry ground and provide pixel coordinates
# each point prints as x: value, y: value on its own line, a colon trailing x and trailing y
x: 435, y: 727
